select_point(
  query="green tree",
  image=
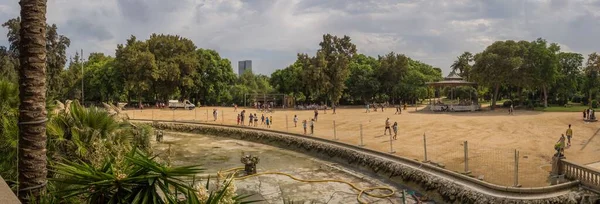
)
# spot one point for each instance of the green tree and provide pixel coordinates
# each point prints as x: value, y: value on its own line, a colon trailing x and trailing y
x: 462, y: 64
x: 8, y: 65
x: 214, y: 77
x: 494, y: 66
x: 176, y: 65
x: 56, y: 47
x: 138, y: 67
x: 570, y: 69
x: 393, y: 68
x: 542, y: 62
x: 337, y: 53
x: 362, y: 82
x: 592, y: 73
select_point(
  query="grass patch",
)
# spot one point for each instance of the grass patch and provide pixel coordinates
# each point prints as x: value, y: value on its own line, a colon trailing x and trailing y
x: 572, y: 108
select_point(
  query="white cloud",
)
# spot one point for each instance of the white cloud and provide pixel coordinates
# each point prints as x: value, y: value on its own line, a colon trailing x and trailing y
x: 271, y: 32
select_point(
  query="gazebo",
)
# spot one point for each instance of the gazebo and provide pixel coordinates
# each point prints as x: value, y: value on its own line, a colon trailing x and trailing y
x: 453, y: 80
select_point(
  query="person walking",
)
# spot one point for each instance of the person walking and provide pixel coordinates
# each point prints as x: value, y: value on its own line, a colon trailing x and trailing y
x: 251, y: 119
x: 316, y: 115
x: 262, y: 119
x: 312, y: 127
x: 215, y: 114
x: 255, y: 120
x: 271, y: 120
x: 304, y: 125
x: 387, y: 127
x: 569, y: 134
x: 268, y: 124
x: 584, y: 114
x: 243, y: 115
x: 333, y: 106
x: 238, y: 119
x: 367, y: 107
x: 234, y: 107
x: 295, y: 120
x: 397, y: 110
x: 395, y: 127
x: 381, y: 107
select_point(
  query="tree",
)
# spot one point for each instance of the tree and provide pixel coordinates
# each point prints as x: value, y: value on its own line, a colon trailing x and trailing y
x: 494, y: 66
x: 462, y: 64
x: 8, y: 65
x: 592, y: 73
x: 32, y: 107
x: 214, y: 76
x: 56, y: 46
x: 393, y: 67
x: 362, y: 82
x: 337, y: 53
x: 313, y: 77
x: 138, y: 67
x: 542, y: 61
x: 570, y: 67
x: 176, y: 65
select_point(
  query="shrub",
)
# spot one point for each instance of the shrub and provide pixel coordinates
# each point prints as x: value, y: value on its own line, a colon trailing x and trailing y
x: 594, y: 104
x: 507, y: 104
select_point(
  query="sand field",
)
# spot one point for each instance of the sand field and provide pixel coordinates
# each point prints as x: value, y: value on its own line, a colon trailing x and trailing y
x: 492, y: 136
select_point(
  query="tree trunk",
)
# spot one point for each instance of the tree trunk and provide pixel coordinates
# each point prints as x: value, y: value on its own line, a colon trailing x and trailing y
x: 545, y: 89
x: 32, y: 109
x: 493, y: 104
x: 521, y: 97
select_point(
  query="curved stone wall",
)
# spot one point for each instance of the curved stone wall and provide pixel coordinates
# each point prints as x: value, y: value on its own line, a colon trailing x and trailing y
x: 448, y: 186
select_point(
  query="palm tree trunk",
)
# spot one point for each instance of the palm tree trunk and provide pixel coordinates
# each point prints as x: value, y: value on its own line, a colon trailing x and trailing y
x: 32, y: 109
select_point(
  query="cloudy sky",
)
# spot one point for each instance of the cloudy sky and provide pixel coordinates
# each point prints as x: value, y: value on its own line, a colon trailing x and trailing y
x: 271, y: 32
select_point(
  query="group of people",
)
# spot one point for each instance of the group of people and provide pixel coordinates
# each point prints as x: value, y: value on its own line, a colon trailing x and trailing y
x: 589, y: 114
x: 253, y: 119
x: 563, y: 142
x: 305, y: 123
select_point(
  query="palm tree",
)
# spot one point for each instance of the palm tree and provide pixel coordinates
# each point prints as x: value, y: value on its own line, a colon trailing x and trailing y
x: 462, y: 64
x: 32, y: 109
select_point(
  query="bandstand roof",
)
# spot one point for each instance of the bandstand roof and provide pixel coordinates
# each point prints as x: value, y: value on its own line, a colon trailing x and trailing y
x: 452, y: 80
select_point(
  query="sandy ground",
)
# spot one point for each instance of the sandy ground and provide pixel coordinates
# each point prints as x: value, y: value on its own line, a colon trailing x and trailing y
x: 493, y: 136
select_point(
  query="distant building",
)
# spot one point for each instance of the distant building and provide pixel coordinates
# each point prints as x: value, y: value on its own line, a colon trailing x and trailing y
x: 244, y: 65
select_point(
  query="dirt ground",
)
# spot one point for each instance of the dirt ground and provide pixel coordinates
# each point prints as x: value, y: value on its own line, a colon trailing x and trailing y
x: 493, y: 137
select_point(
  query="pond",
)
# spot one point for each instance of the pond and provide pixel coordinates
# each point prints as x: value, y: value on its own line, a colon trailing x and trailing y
x: 215, y: 153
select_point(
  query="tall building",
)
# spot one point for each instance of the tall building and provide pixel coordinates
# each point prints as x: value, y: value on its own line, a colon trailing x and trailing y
x: 244, y: 65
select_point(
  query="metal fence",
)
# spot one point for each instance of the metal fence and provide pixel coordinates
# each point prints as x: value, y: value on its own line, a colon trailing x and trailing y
x: 506, y: 167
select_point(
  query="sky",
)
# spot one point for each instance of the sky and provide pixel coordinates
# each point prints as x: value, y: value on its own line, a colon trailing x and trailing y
x: 272, y: 32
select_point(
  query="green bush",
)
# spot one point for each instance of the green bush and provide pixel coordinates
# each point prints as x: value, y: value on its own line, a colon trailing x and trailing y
x: 507, y: 104
x: 594, y: 104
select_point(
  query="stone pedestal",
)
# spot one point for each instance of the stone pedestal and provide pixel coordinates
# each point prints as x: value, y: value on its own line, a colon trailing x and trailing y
x: 557, y: 175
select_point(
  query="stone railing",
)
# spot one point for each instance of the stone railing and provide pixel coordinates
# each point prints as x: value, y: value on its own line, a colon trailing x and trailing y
x: 453, y: 187
x: 588, y: 177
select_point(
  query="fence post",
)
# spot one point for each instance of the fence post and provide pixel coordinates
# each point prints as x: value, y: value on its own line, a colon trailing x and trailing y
x: 391, y: 148
x: 222, y: 116
x: 152, y: 114
x: 466, y: 144
x: 287, y: 128
x: 517, y: 169
x: 173, y: 114
x: 425, y: 147
x: 206, y: 115
x: 361, y: 136
x: 334, y: 132
x: 195, y: 114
